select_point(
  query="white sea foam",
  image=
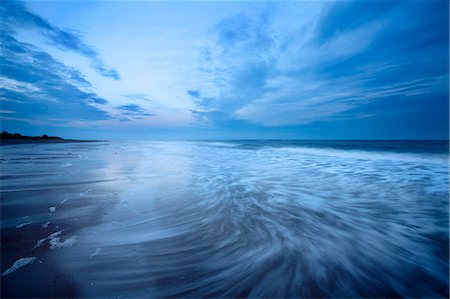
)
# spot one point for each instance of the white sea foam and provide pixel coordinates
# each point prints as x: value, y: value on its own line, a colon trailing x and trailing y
x: 26, y: 223
x: 56, y: 243
x: 19, y: 264
x: 39, y: 243
x: 363, y: 155
x: 54, y: 235
x: 97, y: 251
x: 220, y: 144
x: 85, y: 192
x: 52, y: 209
x: 51, y: 238
x: 46, y: 224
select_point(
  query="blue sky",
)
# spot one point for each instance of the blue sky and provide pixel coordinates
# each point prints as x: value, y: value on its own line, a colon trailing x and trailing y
x: 210, y: 69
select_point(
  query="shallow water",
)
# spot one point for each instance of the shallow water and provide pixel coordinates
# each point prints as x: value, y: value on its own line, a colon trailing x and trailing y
x: 231, y: 219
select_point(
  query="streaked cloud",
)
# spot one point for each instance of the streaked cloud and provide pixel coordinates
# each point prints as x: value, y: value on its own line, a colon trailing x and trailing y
x: 37, y: 86
x: 140, y: 97
x: 193, y: 93
x: 321, y: 71
x: 16, y: 15
x: 134, y: 111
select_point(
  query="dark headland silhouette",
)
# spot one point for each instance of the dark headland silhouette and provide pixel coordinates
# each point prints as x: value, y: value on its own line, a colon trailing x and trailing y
x: 8, y: 138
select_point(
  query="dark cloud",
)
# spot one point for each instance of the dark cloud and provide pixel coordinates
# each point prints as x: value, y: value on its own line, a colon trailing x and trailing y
x: 193, y: 93
x: 412, y: 45
x: 131, y: 107
x: 134, y: 111
x: 38, y: 87
x: 235, y: 29
x: 344, y: 16
x: 138, y: 96
x: 16, y: 15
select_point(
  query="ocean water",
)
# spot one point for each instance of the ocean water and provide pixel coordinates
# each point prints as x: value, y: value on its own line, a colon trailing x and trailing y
x: 226, y: 219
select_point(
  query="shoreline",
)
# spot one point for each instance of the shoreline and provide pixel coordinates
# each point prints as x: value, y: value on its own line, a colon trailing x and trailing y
x: 4, y: 142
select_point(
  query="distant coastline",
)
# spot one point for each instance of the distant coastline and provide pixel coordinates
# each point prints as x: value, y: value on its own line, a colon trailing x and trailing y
x: 7, y: 138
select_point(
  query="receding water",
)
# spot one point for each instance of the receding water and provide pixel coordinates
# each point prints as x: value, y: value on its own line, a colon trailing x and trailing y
x: 227, y: 219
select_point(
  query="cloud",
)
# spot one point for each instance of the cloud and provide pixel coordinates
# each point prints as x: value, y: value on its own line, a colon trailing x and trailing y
x: 130, y: 107
x: 40, y: 88
x: 134, y: 111
x: 138, y: 96
x: 7, y: 112
x: 239, y: 61
x: 193, y: 93
x: 346, y: 16
x: 16, y: 15
x: 323, y: 70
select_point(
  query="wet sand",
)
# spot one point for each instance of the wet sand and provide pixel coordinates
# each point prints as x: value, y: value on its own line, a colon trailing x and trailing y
x: 46, y: 198
x: 43, y: 278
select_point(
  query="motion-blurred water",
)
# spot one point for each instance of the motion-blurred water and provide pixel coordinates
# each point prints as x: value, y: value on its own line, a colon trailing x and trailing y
x: 235, y: 219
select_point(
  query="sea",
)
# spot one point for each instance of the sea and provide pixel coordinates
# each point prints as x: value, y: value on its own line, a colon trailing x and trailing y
x: 225, y: 219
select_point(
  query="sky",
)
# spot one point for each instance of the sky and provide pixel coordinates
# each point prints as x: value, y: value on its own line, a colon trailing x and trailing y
x: 225, y: 70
